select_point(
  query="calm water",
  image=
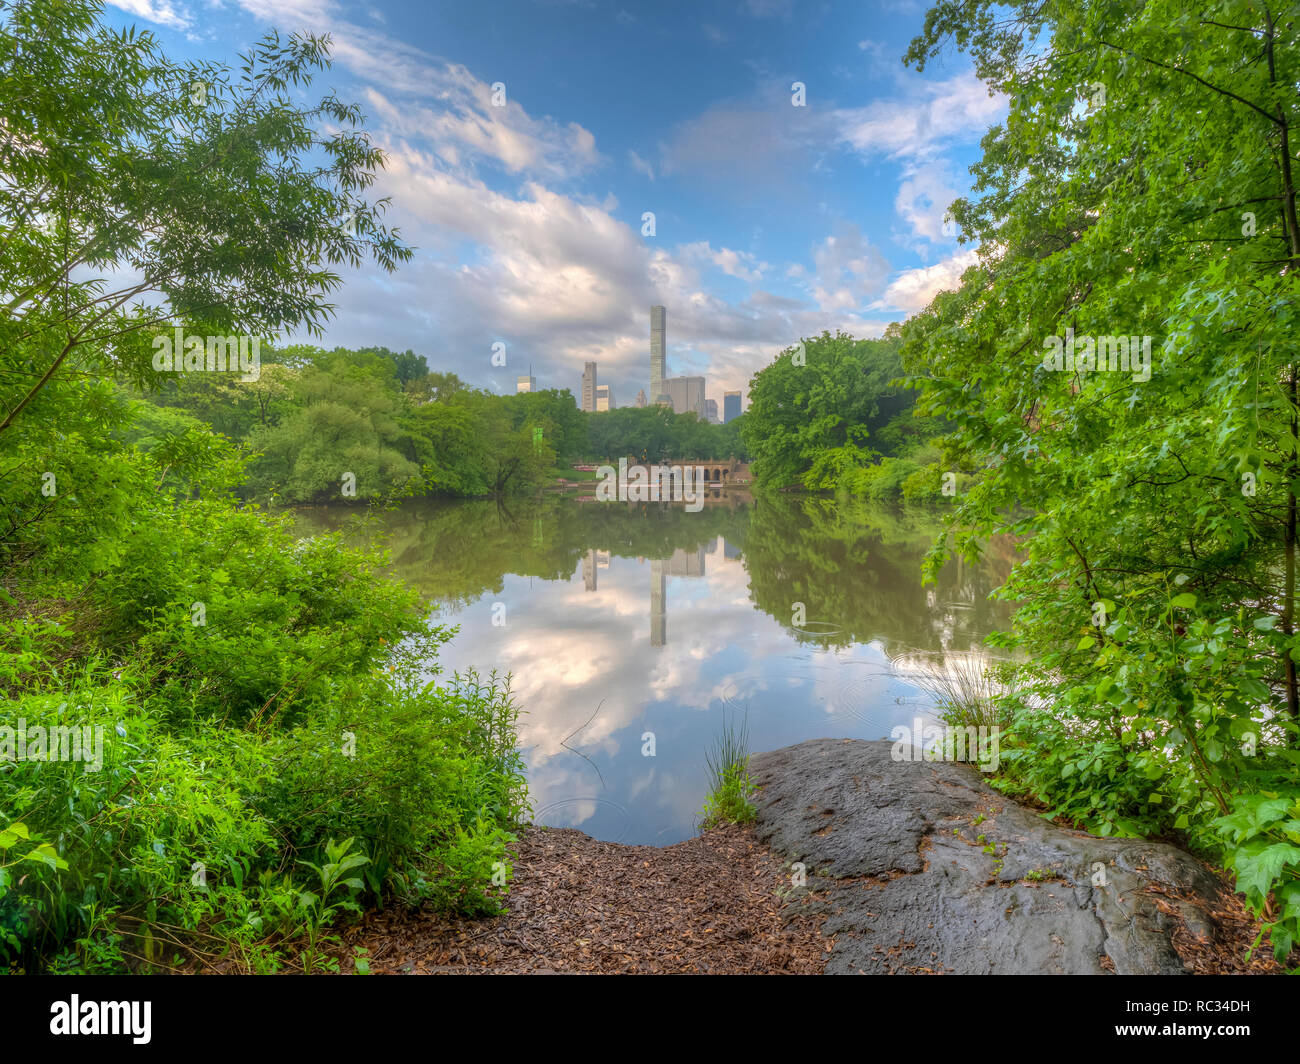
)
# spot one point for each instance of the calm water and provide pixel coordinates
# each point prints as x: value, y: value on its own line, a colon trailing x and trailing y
x: 622, y: 620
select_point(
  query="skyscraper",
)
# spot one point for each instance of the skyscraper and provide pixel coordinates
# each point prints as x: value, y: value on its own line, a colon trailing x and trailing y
x: 711, y: 411
x: 589, y: 387
x: 526, y: 384
x: 604, y: 397
x: 658, y: 349
x: 640, y: 397
x: 686, y: 394
x: 730, y: 406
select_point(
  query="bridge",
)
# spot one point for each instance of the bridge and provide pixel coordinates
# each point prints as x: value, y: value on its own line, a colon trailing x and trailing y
x: 713, y: 470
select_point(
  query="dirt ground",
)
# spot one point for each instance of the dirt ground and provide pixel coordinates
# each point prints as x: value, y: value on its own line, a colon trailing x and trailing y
x: 710, y: 904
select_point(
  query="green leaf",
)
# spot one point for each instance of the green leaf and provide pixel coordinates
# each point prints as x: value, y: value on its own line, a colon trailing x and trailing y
x: 1258, y: 869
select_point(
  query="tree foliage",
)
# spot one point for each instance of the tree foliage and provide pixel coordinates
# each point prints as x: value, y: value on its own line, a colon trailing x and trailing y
x: 220, y: 657
x: 826, y: 411
x: 1142, y: 186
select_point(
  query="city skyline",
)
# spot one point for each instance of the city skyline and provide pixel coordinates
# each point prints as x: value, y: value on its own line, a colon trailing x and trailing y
x: 685, y: 394
x: 545, y: 221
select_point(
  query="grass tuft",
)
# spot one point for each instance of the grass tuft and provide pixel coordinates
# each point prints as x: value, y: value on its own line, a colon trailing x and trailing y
x: 730, y: 787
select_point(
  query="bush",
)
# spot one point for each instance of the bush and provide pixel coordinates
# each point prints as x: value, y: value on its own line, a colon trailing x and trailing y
x: 273, y: 748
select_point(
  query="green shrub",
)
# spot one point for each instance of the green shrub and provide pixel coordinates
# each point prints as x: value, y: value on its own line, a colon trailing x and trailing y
x: 300, y: 710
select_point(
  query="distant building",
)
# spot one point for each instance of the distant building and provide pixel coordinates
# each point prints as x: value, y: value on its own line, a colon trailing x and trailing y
x: 686, y: 394
x: 686, y: 563
x: 682, y: 394
x: 658, y: 351
x: 604, y: 397
x: 711, y: 411
x: 589, y: 387
x: 730, y: 406
x: 525, y: 384
x: 640, y: 398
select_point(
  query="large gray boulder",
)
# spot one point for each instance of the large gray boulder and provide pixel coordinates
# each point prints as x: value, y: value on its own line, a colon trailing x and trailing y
x: 910, y: 886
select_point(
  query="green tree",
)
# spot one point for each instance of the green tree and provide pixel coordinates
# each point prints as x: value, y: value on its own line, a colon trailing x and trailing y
x: 348, y: 421
x: 820, y: 410
x: 1142, y: 186
x: 213, y: 194
x: 136, y: 192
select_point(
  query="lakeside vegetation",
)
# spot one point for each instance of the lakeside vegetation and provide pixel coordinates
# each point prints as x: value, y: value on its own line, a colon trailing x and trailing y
x: 1152, y: 482
x: 832, y: 414
x: 730, y: 785
x: 1142, y: 186
x: 400, y: 429
x: 274, y: 752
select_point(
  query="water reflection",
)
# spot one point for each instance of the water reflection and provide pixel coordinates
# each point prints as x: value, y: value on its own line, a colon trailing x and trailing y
x: 617, y: 719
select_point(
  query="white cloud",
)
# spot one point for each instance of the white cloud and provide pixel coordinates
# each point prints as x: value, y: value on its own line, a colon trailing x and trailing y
x: 913, y: 290
x: 924, y: 196
x: 465, y: 125
x: 162, y: 12
x: 936, y: 115
x: 739, y: 264
x: 460, y: 121
x: 293, y: 15
x: 849, y: 270
x: 561, y: 277
x: 564, y: 281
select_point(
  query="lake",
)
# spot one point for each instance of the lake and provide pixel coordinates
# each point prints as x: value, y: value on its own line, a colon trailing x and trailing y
x: 633, y: 631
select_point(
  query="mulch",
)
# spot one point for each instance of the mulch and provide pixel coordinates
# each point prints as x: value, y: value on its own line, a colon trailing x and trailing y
x: 1230, y: 948
x: 711, y: 904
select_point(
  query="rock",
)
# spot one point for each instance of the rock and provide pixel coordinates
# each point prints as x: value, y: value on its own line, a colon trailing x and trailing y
x: 911, y: 887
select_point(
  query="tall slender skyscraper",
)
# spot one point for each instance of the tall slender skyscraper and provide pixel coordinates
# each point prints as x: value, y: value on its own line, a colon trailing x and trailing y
x: 589, y: 387
x: 658, y: 345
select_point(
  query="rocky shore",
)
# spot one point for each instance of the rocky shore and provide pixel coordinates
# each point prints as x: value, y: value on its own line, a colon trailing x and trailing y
x: 923, y: 868
x: 857, y: 864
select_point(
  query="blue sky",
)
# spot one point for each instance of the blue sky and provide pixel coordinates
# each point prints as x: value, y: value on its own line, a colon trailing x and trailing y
x: 771, y: 221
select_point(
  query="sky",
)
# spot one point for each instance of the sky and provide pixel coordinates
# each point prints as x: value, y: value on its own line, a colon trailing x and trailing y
x: 632, y: 153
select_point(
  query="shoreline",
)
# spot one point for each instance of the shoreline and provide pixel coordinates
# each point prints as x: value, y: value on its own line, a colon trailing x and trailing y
x: 911, y: 868
x: 706, y: 905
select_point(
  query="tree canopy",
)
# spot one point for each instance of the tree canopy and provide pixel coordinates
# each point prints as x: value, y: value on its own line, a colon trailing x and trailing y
x: 1142, y: 188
